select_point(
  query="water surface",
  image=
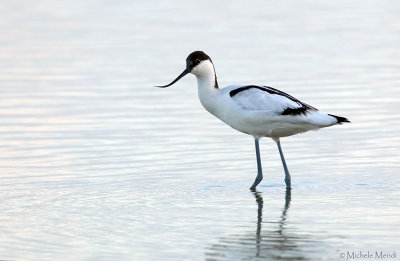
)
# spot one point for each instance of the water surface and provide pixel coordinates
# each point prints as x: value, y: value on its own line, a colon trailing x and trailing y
x: 96, y: 164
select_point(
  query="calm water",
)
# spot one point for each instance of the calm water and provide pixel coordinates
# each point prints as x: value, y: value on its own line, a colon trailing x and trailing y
x: 96, y: 164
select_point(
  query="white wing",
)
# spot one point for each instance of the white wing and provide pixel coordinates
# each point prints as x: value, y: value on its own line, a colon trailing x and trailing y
x: 254, y: 97
x: 275, y: 102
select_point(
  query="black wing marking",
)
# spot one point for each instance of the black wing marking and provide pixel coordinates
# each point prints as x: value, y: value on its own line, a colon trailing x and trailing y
x: 340, y: 119
x: 304, y: 109
x: 296, y: 111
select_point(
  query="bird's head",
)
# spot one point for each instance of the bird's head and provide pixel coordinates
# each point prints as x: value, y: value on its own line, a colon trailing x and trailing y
x: 197, y: 63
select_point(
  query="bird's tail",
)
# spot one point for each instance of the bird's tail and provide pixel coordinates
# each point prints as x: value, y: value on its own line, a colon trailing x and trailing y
x: 339, y: 119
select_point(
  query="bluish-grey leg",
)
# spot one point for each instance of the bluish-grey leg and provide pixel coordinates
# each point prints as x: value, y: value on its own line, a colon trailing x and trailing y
x: 259, y: 168
x: 287, y: 175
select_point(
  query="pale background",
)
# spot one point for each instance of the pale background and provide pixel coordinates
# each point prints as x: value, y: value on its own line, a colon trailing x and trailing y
x: 97, y: 164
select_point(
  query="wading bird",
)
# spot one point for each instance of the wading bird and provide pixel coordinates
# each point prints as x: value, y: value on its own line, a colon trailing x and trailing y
x: 256, y: 110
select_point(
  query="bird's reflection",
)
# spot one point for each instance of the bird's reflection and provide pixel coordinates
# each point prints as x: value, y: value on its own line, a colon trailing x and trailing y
x: 260, y: 204
x: 282, y: 221
x: 272, y: 240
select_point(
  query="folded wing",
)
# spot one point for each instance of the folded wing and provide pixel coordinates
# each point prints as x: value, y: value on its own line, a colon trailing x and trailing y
x: 255, y: 97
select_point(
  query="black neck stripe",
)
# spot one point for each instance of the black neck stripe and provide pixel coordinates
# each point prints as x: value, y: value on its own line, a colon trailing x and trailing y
x: 215, y: 80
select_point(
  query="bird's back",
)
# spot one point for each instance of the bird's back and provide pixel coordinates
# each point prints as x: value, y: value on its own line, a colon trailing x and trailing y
x: 265, y: 111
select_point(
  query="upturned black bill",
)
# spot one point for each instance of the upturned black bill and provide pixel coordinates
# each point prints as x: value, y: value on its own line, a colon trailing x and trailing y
x: 186, y: 71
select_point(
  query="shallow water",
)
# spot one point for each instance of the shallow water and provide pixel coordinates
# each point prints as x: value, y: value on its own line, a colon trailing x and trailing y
x: 96, y: 164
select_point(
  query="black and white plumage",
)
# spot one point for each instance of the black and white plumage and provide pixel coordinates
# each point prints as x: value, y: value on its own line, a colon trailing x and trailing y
x: 257, y: 110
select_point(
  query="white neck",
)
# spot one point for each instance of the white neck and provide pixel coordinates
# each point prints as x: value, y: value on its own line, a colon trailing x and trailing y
x: 207, y: 84
x: 205, y: 74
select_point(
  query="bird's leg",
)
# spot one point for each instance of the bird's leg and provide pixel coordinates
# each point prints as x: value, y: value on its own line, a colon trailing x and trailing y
x: 287, y: 175
x: 259, y: 168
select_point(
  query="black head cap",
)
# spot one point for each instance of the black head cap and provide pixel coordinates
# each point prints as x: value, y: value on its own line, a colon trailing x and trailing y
x: 192, y: 61
x: 195, y: 58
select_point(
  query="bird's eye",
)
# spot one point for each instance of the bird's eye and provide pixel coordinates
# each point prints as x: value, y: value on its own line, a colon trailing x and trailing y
x: 197, y: 61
